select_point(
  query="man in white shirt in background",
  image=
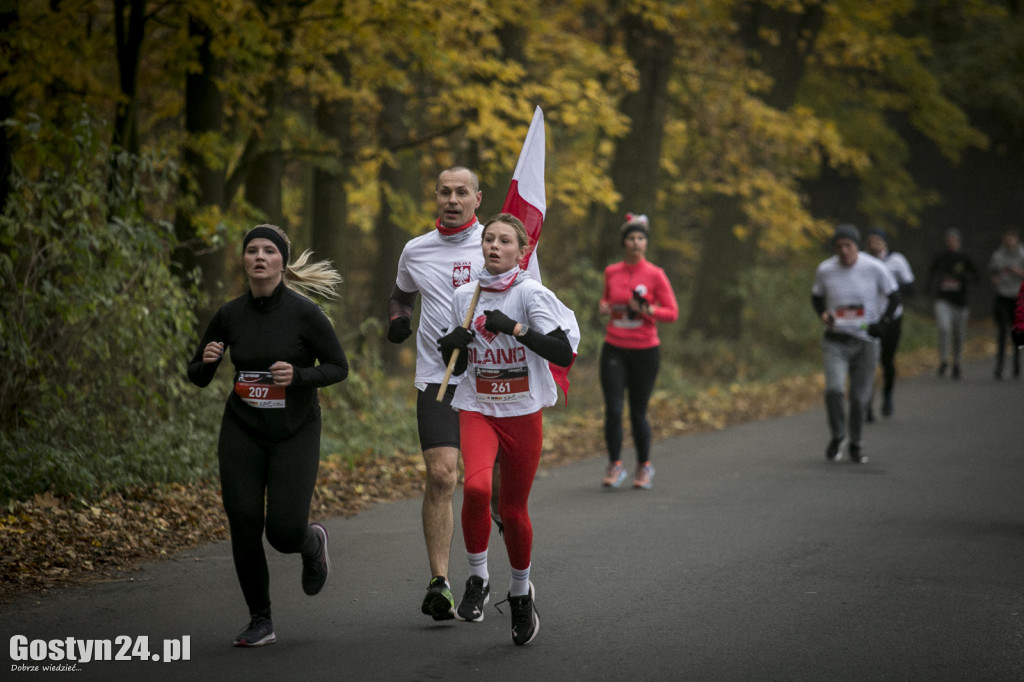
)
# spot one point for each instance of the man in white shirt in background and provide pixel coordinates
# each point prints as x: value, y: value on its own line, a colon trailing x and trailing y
x: 878, y: 246
x: 855, y: 297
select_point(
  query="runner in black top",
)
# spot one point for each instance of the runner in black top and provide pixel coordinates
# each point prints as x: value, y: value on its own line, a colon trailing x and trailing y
x: 269, y: 445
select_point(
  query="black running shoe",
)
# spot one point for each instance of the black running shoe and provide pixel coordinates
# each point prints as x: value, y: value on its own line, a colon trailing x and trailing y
x: 473, y: 601
x: 832, y: 452
x: 439, y: 603
x: 316, y: 567
x: 525, y: 621
x: 259, y: 632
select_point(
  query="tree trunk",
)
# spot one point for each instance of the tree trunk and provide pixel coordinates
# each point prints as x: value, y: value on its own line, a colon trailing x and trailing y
x: 329, y: 203
x: 717, y: 306
x: 263, y: 173
x: 263, y: 187
x: 8, y: 18
x: 200, y: 184
x: 400, y: 184
x: 634, y: 170
x: 129, y: 53
x: 717, y: 309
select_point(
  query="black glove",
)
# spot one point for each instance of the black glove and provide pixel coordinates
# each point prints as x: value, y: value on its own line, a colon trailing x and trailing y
x: 877, y: 329
x: 399, y: 330
x: 459, y: 338
x: 498, y: 321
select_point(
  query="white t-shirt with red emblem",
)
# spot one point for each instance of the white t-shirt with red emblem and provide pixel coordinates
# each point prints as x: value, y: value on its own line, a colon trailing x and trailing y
x: 435, y: 265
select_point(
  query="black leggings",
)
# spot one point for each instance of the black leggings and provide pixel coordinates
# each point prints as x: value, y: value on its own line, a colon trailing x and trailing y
x: 286, y: 472
x: 633, y: 370
x: 1003, y: 310
x: 890, y: 342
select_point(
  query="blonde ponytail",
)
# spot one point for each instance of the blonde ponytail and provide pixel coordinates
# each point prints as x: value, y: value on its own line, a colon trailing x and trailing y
x: 319, y: 279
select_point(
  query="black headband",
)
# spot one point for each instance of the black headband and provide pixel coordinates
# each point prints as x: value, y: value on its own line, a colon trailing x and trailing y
x: 633, y: 227
x: 262, y: 232
x: 635, y: 222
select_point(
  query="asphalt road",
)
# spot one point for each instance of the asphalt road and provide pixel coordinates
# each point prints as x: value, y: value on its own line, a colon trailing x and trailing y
x: 752, y: 559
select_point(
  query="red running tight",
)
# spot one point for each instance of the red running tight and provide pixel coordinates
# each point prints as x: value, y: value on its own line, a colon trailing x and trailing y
x: 517, y: 440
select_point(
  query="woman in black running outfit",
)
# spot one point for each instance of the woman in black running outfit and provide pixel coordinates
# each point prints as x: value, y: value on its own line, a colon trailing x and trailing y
x: 283, y: 348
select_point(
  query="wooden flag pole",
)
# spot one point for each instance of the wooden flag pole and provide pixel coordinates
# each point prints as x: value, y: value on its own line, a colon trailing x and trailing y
x: 455, y: 353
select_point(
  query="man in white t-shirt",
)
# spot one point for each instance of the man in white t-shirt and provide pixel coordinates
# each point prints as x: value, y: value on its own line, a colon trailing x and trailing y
x: 433, y: 265
x: 855, y: 297
x: 1006, y: 270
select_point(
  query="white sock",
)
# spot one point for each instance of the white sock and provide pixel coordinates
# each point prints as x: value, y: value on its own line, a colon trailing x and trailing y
x: 519, y: 584
x: 478, y: 565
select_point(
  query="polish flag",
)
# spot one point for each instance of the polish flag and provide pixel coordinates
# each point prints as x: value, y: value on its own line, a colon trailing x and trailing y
x: 527, y: 201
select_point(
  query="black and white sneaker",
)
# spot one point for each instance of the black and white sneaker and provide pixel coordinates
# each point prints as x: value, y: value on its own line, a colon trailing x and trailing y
x: 856, y: 456
x: 478, y: 593
x: 316, y: 567
x: 259, y: 632
x: 525, y: 621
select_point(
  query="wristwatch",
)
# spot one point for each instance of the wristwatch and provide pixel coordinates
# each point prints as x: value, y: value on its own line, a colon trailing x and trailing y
x: 523, y: 329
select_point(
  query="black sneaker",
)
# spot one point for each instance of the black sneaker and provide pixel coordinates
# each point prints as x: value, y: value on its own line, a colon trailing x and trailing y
x: 887, y: 406
x: 260, y: 631
x: 956, y: 371
x: 439, y: 602
x: 525, y: 621
x: 317, y: 567
x: 857, y: 456
x: 473, y: 601
x: 832, y: 452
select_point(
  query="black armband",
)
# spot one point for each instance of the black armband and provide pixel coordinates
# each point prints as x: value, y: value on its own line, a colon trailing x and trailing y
x: 553, y: 346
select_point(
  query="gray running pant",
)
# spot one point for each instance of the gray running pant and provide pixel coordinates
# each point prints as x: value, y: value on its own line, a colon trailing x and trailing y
x: 848, y: 356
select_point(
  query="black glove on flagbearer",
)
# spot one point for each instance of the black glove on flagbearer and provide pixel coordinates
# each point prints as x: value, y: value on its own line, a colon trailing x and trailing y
x: 460, y: 338
x: 498, y: 321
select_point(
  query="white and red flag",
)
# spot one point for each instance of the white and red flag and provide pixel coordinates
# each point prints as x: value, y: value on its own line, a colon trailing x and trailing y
x: 527, y: 201
x: 526, y: 198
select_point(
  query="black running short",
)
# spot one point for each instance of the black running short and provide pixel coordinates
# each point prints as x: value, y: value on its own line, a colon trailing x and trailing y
x: 438, y: 423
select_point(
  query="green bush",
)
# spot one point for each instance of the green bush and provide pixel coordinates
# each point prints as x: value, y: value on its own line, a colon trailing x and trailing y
x: 780, y: 334
x: 93, y: 326
x: 369, y: 415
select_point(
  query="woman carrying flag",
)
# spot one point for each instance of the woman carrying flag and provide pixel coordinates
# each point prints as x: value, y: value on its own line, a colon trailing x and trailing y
x: 516, y: 328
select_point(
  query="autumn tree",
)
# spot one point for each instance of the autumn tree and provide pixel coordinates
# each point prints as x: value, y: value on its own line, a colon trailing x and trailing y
x: 776, y: 41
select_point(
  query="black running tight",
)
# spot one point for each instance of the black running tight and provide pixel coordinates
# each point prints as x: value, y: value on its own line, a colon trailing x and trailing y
x: 633, y: 371
x: 890, y: 341
x: 285, y: 472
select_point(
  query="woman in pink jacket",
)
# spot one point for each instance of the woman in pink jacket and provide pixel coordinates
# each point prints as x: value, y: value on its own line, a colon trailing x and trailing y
x: 637, y: 295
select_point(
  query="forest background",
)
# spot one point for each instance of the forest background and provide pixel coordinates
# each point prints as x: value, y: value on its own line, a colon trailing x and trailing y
x: 142, y: 138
